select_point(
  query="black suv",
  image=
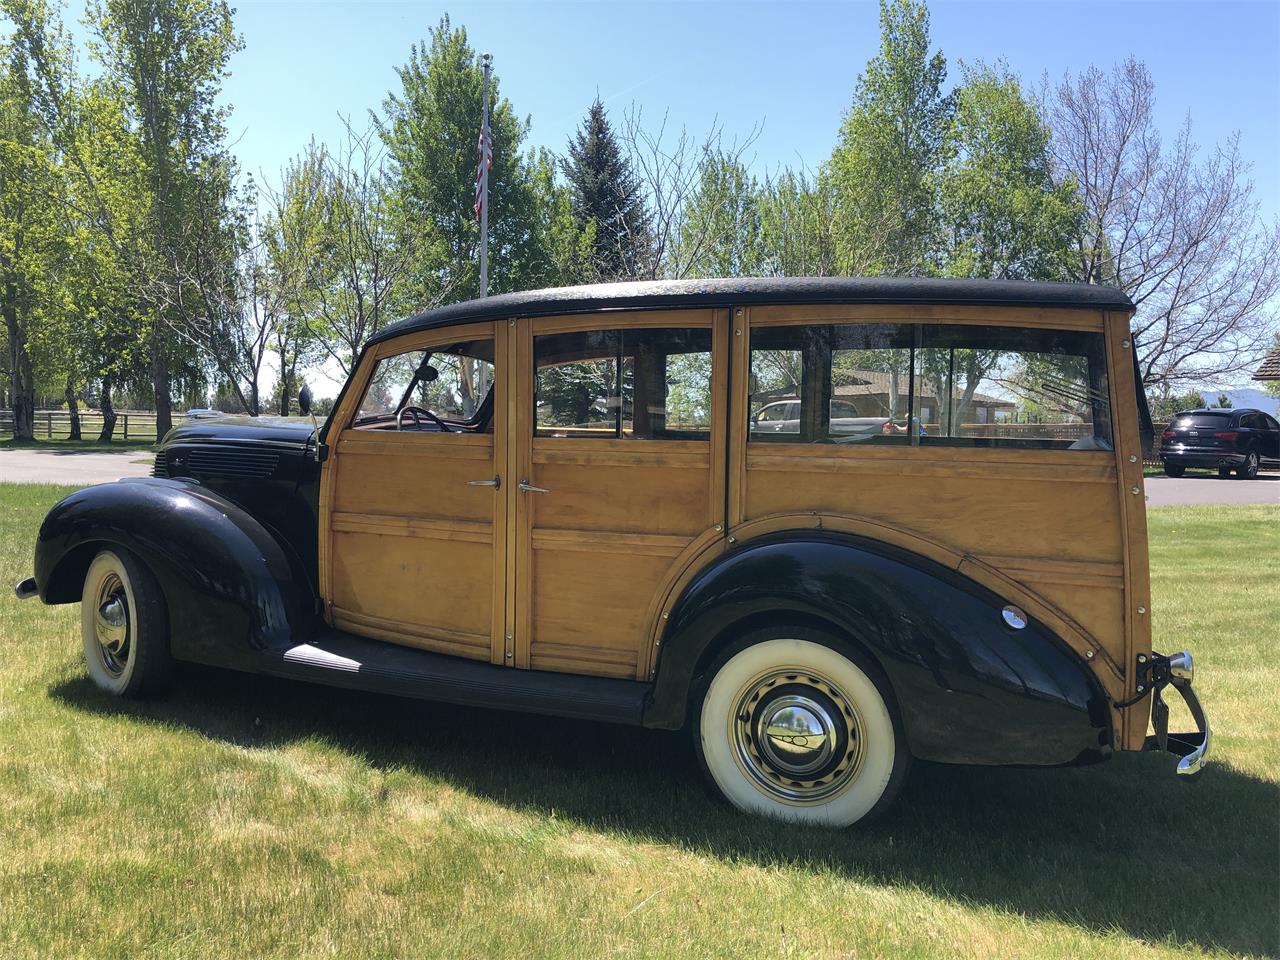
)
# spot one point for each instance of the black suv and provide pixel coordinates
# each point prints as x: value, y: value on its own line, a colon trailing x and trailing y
x: 1242, y: 440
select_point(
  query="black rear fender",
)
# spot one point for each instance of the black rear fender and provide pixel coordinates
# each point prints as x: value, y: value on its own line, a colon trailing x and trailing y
x: 970, y: 688
x: 231, y: 589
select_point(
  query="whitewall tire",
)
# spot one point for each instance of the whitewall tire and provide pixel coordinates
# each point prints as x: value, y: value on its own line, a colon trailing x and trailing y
x: 124, y: 625
x: 795, y: 725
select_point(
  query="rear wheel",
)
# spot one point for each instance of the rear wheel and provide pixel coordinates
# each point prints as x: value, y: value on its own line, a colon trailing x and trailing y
x: 124, y: 626
x: 1249, y: 469
x: 1174, y: 469
x: 795, y: 725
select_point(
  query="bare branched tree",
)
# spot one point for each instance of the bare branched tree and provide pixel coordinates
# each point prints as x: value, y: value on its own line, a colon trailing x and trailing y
x: 368, y: 250
x: 1179, y: 233
x: 682, y: 222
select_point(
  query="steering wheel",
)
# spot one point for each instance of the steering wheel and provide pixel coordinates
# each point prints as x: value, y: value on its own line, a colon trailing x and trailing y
x: 417, y: 423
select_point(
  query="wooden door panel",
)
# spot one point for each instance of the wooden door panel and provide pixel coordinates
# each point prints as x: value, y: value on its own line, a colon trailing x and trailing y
x: 594, y: 550
x: 414, y: 552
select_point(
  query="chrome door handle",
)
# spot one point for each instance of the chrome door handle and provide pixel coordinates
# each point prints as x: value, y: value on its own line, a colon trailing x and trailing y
x: 495, y: 482
x: 528, y: 487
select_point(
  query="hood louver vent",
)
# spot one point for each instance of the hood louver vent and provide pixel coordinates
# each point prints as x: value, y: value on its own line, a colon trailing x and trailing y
x: 233, y: 464
x: 161, y: 467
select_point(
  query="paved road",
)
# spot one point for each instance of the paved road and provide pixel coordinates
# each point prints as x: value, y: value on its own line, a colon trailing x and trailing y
x: 82, y: 469
x: 1206, y: 488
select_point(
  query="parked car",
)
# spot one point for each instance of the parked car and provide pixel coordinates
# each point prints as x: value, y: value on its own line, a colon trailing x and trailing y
x: 1241, y: 439
x: 203, y: 413
x: 783, y: 417
x: 552, y: 502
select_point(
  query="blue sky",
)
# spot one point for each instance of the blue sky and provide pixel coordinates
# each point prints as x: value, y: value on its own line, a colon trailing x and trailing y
x: 789, y: 67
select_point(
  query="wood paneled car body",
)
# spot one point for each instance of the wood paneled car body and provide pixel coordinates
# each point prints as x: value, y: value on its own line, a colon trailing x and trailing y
x: 564, y: 502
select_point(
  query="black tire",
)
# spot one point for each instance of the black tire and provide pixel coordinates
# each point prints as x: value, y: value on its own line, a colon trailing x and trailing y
x: 124, y: 626
x: 1174, y: 470
x: 1224, y: 472
x: 1249, y: 469
x: 861, y: 757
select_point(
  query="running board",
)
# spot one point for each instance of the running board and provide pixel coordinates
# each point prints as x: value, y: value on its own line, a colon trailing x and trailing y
x: 344, y: 660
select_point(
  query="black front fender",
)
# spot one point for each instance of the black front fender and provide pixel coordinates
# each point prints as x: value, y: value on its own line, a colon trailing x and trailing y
x: 970, y: 688
x: 230, y: 587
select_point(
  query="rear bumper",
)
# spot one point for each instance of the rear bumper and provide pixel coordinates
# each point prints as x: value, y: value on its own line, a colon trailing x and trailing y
x: 1197, y: 458
x: 26, y: 589
x: 1178, y: 672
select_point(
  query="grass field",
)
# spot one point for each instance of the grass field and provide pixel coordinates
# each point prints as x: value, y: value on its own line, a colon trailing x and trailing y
x: 246, y: 817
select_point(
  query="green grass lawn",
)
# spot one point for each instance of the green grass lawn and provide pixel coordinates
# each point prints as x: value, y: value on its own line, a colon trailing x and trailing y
x: 246, y: 817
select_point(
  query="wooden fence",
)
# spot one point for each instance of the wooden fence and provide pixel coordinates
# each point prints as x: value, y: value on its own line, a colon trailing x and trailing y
x: 131, y: 425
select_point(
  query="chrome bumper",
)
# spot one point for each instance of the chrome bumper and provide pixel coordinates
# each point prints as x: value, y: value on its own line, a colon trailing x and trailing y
x: 1177, y: 671
x: 26, y: 589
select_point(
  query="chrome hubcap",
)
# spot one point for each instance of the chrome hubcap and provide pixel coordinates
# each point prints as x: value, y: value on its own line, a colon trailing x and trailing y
x: 797, y: 736
x: 111, y: 624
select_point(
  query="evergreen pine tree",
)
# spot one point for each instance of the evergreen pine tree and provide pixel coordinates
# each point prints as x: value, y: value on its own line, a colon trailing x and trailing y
x: 606, y: 191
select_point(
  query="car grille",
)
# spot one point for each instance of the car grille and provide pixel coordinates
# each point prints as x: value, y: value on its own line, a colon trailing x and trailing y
x: 161, y: 468
x: 233, y: 464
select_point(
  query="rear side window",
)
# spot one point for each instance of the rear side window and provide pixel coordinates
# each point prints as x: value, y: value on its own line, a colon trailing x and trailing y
x: 1209, y: 421
x: 926, y: 384
x: 844, y: 383
x: 999, y: 386
x: 624, y: 384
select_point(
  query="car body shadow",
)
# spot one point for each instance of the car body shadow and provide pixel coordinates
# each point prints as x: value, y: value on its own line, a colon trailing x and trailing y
x: 1123, y: 846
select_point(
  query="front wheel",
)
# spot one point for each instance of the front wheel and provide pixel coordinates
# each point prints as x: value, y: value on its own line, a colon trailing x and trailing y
x: 1249, y: 469
x: 797, y: 729
x: 124, y: 625
x: 1174, y: 470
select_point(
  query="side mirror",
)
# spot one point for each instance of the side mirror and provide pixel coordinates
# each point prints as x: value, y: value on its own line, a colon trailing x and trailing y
x: 304, y: 400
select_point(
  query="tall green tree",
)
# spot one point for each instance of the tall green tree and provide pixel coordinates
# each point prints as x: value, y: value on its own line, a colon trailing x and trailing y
x: 606, y: 193
x: 1002, y: 214
x: 883, y: 169
x: 32, y: 244
x: 797, y: 226
x: 167, y: 60
x: 721, y: 234
x: 431, y: 128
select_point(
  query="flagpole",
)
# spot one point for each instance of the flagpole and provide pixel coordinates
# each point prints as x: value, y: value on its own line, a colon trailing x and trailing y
x: 486, y: 61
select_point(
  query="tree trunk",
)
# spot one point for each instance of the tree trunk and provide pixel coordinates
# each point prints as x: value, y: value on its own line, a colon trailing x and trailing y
x: 21, y: 382
x: 286, y: 391
x: 73, y: 409
x: 108, y: 412
x: 161, y: 385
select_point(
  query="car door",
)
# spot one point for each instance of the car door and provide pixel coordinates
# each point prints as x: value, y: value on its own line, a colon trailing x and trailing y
x: 1271, y: 435
x: 618, y: 453
x: 413, y: 523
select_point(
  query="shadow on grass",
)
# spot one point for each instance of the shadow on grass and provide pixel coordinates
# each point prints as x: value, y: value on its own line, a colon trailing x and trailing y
x: 1124, y: 846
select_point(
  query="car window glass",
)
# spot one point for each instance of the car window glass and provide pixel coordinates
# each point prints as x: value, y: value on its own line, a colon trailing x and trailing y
x: 1208, y: 421
x: 450, y: 381
x: 967, y: 385
x: 642, y: 384
x: 844, y: 383
x: 1004, y: 386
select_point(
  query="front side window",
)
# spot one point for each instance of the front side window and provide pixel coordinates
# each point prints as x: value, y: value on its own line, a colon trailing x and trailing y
x: 643, y: 384
x: 420, y: 389
x: 925, y: 384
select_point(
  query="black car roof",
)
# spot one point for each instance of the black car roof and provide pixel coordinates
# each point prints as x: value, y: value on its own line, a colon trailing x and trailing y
x: 692, y: 294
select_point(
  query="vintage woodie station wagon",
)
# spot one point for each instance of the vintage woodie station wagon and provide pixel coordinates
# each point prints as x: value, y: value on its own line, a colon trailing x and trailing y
x: 828, y: 525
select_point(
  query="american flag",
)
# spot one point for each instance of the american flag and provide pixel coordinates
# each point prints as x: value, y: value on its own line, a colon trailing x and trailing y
x: 484, y: 163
